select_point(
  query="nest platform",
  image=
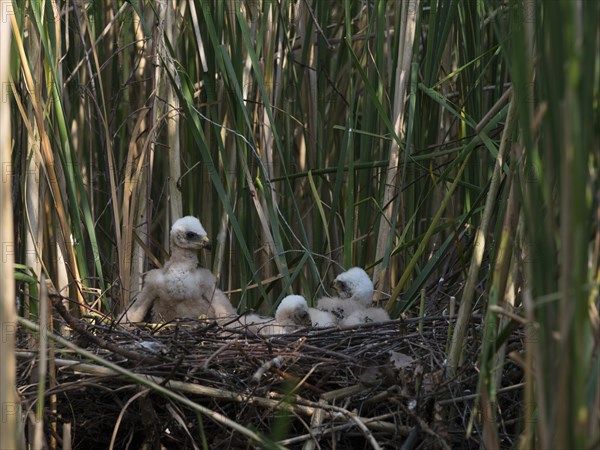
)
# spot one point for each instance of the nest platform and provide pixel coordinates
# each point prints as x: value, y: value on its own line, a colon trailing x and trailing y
x: 198, y: 385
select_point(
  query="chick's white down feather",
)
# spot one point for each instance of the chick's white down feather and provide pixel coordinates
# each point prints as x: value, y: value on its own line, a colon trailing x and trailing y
x: 337, y: 308
x: 291, y: 315
x: 321, y: 319
x: 366, y: 315
x: 181, y: 288
x: 355, y: 284
x: 355, y: 292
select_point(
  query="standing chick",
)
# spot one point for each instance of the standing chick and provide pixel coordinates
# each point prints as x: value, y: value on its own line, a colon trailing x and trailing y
x: 181, y: 288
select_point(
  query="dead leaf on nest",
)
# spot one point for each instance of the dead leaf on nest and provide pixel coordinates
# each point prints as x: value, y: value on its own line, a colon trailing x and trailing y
x: 370, y: 376
x: 400, y: 360
x: 432, y: 381
x: 380, y: 375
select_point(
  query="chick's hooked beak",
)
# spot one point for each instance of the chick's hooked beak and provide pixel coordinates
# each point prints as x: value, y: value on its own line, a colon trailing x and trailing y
x: 341, y: 288
x: 305, y: 319
x: 206, y: 244
x: 337, y: 286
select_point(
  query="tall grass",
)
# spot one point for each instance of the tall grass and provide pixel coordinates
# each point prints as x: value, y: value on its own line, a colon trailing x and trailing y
x: 312, y: 136
x: 8, y: 397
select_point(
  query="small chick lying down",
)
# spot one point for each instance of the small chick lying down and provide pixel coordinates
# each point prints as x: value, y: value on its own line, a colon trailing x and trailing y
x: 293, y: 312
x: 181, y: 288
x: 291, y: 315
x: 366, y: 315
x: 355, y: 292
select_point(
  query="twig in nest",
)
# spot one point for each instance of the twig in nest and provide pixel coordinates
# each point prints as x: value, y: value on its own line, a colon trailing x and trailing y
x: 121, y: 414
x: 265, y: 368
x: 302, y: 382
x: 365, y: 430
x: 317, y: 419
x: 374, y: 423
x: 315, y: 424
x: 219, y: 350
x: 173, y: 370
x: 81, y: 329
x: 277, y: 362
x: 177, y: 416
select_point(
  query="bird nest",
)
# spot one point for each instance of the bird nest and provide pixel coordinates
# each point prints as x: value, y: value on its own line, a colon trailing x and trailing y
x: 199, y: 385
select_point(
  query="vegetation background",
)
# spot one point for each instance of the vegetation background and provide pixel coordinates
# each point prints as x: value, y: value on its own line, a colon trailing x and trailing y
x: 434, y: 143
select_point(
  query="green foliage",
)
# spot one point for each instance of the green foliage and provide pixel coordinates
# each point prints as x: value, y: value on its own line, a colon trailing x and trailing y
x: 284, y: 124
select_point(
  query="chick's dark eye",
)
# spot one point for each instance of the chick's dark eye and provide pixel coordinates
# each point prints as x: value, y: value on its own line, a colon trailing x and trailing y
x: 190, y: 235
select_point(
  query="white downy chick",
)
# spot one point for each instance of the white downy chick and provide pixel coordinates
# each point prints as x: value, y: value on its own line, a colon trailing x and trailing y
x: 355, y: 284
x: 181, y: 288
x: 291, y: 315
x: 355, y: 292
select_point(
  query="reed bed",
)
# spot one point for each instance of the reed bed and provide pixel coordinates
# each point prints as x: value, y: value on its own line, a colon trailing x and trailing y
x: 448, y: 147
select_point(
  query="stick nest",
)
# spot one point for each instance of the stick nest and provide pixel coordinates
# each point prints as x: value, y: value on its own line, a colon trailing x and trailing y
x: 370, y: 386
